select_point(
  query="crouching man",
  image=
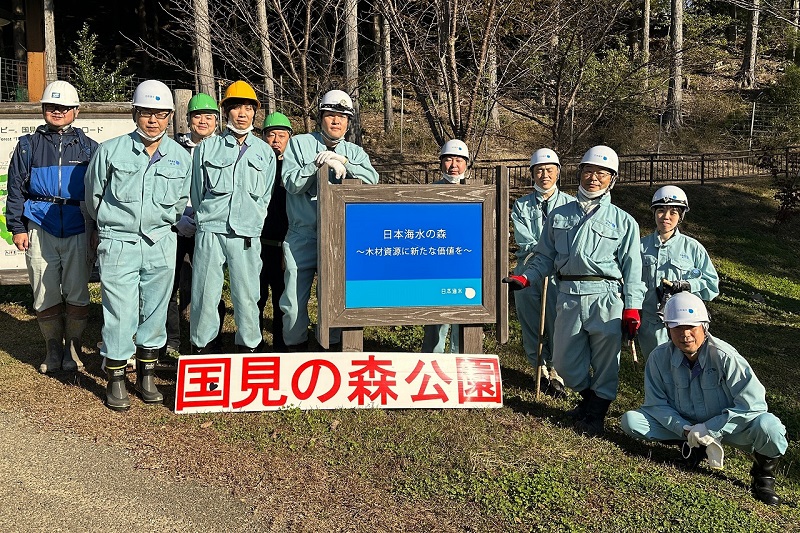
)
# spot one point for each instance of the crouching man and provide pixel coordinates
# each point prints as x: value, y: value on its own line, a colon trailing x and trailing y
x: 699, y: 389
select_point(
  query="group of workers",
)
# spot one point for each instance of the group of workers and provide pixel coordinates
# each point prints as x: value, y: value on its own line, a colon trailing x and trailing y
x: 584, y: 280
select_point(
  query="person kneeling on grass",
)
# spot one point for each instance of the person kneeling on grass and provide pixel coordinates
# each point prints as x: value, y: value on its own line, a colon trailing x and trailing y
x: 699, y: 392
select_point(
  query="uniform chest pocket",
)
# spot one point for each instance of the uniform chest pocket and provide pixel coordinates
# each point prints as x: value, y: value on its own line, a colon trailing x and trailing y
x: 256, y: 178
x: 683, y: 268
x: 561, y: 226
x: 605, y: 240
x: 169, y: 186
x: 219, y: 176
x: 126, y: 183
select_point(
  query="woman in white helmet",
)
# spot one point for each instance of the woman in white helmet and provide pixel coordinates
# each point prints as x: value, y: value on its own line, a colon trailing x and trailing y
x: 699, y: 390
x: 453, y: 163
x: 668, y: 254
x: 44, y: 215
x: 592, y: 247
x: 529, y: 217
x: 303, y: 157
x: 137, y: 186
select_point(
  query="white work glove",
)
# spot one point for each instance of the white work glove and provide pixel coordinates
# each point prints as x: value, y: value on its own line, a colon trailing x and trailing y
x: 698, y: 436
x: 327, y: 156
x: 338, y: 168
x: 186, y: 227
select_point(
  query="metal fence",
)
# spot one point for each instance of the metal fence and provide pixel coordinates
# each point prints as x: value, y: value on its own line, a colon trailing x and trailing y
x: 637, y: 168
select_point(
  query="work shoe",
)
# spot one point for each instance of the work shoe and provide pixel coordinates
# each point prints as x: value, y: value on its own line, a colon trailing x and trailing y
x: 555, y: 389
x: 117, y: 397
x: 53, y: 331
x: 239, y: 348
x: 205, y: 350
x: 593, y: 424
x: 146, y: 359
x: 763, y: 484
x: 580, y: 410
x: 297, y: 348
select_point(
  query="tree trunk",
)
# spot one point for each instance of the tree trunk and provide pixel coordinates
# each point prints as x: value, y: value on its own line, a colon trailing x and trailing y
x: 795, y: 23
x: 646, y: 41
x: 20, y: 48
x: 386, y: 67
x: 141, y: 13
x: 50, y: 73
x: 675, y: 89
x: 351, y: 63
x: 266, y: 54
x: 494, y: 113
x: 204, y: 65
x: 748, y: 73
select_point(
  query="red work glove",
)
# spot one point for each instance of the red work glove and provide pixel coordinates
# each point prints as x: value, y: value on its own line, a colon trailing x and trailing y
x: 516, y: 283
x: 630, y: 323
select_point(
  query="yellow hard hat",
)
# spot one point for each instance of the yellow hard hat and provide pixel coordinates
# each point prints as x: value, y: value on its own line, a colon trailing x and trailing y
x: 240, y: 89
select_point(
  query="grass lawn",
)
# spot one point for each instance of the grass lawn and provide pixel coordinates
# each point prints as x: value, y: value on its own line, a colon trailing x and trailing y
x: 519, y: 468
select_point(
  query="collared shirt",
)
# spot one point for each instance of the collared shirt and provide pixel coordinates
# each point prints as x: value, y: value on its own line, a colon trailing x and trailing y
x: 528, y: 218
x: 134, y: 195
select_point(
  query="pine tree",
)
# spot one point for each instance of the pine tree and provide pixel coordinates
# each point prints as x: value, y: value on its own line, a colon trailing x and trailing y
x: 96, y: 83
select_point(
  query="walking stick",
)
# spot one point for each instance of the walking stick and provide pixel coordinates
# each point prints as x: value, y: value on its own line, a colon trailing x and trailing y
x: 541, y: 340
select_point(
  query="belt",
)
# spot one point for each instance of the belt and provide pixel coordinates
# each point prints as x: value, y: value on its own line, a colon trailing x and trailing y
x: 585, y: 278
x: 54, y: 200
x: 269, y: 242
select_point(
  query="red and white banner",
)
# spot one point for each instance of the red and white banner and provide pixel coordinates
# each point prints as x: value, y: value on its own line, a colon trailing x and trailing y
x: 268, y: 382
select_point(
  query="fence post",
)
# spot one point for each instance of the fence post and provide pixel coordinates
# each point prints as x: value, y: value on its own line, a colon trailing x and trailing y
x: 787, y: 162
x: 652, y: 163
x: 702, y: 169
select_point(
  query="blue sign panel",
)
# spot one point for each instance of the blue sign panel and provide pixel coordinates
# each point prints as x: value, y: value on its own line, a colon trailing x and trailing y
x: 413, y: 254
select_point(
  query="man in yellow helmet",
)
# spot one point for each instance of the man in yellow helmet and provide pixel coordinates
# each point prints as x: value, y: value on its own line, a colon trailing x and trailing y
x: 232, y: 179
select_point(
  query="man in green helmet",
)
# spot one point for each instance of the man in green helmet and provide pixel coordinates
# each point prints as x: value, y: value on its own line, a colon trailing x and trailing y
x: 276, y: 133
x: 202, y: 115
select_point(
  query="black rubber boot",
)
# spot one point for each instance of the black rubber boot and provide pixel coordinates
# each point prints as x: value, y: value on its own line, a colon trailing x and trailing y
x: 297, y: 348
x: 146, y: 359
x: 580, y: 410
x: 592, y: 424
x: 763, y: 485
x: 205, y: 350
x: 116, y: 394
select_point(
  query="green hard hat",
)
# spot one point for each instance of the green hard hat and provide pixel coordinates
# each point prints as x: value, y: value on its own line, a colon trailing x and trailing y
x: 277, y: 121
x: 202, y: 102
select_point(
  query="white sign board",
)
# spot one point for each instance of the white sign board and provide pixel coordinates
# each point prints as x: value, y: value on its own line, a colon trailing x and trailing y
x: 12, y: 261
x: 351, y: 380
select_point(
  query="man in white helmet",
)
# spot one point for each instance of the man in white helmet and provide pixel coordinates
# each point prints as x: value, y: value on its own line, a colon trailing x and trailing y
x: 529, y: 217
x: 699, y: 392
x: 44, y: 215
x: 453, y: 163
x: 668, y: 254
x: 303, y: 157
x: 137, y: 186
x: 592, y: 247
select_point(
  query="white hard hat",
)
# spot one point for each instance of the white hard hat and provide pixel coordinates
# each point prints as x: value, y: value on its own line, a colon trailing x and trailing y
x: 602, y: 156
x: 454, y: 147
x: 337, y: 101
x: 670, y: 195
x: 543, y: 156
x: 153, y: 94
x: 61, y: 93
x: 685, y: 309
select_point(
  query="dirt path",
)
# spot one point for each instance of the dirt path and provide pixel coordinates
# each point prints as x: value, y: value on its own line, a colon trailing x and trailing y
x: 58, y: 482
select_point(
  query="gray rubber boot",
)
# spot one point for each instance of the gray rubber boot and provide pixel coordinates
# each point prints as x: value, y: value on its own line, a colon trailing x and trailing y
x: 146, y: 359
x: 53, y: 331
x: 74, y: 325
x: 117, y: 397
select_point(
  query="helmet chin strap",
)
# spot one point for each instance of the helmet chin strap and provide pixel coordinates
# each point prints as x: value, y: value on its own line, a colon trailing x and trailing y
x: 146, y: 137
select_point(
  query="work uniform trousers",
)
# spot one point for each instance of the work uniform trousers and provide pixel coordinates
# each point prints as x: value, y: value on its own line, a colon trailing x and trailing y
x: 136, y: 280
x: 588, y: 337
x: 652, y: 333
x: 272, y: 278
x: 436, y: 337
x: 211, y: 252
x: 528, y: 303
x: 764, y: 434
x: 57, y: 268
x: 300, y: 254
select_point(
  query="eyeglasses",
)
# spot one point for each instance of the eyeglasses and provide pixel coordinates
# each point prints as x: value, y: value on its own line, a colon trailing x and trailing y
x: 599, y: 174
x: 55, y: 108
x: 160, y: 115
